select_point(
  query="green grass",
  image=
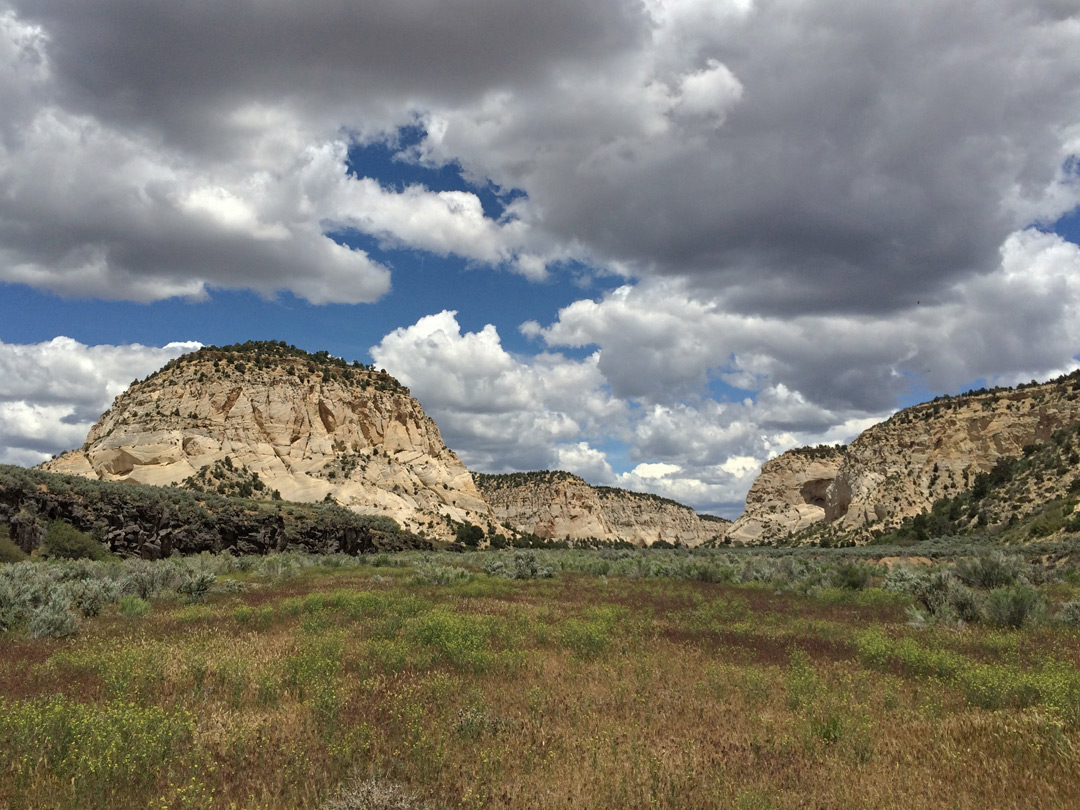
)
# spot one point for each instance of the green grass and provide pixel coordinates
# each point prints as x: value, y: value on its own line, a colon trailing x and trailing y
x: 789, y: 682
x: 133, y: 606
x: 84, y: 754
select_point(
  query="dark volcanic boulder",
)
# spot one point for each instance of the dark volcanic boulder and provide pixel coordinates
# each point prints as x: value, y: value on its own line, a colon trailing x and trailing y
x: 153, y: 522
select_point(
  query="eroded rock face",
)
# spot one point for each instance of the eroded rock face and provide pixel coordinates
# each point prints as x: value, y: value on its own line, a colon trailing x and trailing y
x: 310, y: 429
x: 790, y: 494
x: 561, y: 506
x: 899, y: 467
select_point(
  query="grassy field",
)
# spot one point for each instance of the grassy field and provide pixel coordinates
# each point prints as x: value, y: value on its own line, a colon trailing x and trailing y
x: 540, y: 680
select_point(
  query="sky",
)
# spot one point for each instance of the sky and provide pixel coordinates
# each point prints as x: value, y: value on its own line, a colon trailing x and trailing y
x: 651, y: 242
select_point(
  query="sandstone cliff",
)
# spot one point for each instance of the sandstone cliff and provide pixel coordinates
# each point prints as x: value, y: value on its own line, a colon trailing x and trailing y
x: 788, y: 495
x: 561, y: 506
x: 304, y: 427
x: 898, y: 468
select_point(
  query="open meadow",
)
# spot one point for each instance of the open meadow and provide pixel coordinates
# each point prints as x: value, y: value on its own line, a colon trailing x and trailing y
x: 541, y: 679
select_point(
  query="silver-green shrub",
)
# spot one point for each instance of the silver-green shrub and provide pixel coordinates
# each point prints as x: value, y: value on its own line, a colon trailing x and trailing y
x: 904, y: 579
x: 945, y: 597
x: 435, y: 574
x: 54, y: 619
x: 991, y: 569
x: 90, y: 596
x: 519, y: 565
x: 196, y: 585
x: 1015, y: 607
x: 1069, y: 613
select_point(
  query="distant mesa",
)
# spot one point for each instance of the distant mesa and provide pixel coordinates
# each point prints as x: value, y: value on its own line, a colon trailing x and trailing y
x: 268, y: 420
x: 556, y: 505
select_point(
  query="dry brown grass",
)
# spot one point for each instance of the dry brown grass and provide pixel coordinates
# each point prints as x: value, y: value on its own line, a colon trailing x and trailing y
x: 570, y: 693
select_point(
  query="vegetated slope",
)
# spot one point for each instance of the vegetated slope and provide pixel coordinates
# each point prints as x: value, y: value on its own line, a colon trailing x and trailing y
x: 259, y: 418
x: 1023, y: 498
x: 898, y: 468
x: 556, y: 505
x: 149, y: 521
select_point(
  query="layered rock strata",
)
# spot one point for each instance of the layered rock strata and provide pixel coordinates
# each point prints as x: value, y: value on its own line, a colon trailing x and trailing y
x: 305, y: 427
x: 561, y: 506
x: 899, y: 467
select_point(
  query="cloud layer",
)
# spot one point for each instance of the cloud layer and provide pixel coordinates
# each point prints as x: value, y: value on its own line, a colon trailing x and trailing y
x: 817, y: 207
x: 800, y: 156
x: 503, y: 412
x: 52, y: 393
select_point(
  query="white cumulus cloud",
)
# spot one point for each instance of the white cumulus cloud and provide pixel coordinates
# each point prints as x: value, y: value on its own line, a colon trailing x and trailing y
x: 51, y: 393
x: 499, y: 411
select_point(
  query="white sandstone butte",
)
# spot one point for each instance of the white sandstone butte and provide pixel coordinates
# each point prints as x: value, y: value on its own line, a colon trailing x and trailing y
x: 311, y: 427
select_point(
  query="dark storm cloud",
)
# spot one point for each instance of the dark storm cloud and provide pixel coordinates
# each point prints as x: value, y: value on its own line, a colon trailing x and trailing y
x: 800, y: 156
x: 183, y: 66
x: 877, y: 153
x: 155, y: 149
